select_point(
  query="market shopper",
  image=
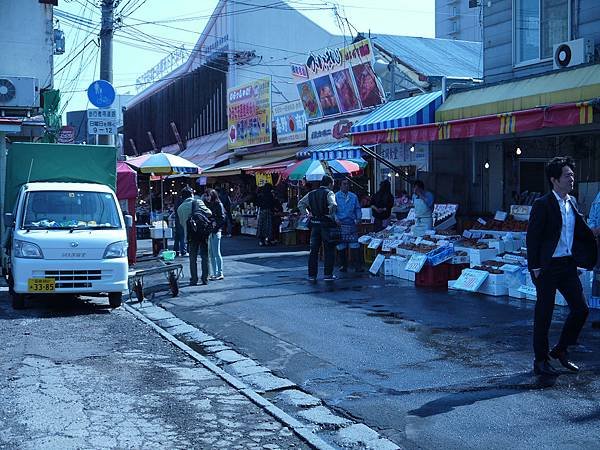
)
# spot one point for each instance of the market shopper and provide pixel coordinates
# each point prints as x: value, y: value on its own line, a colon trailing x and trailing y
x: 558, y: 241
x: 423, y: 204
x: 321, y: 205
x: 179, y: 244
x: 348, y: 215
x: 268, y: 205
x: 213, y: 202
x: 195, y: 246
x: 381, y: 205
x: 594, y: 224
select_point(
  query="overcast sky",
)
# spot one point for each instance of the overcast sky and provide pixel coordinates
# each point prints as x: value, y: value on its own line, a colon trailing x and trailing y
x: 181, y: 22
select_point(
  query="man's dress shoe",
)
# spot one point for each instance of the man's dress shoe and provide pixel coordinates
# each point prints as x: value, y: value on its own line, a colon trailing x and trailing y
x: 544, y: 368
x: 563, y: 358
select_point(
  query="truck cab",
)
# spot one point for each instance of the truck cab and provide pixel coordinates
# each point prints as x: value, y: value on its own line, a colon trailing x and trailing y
x: 66, y: 237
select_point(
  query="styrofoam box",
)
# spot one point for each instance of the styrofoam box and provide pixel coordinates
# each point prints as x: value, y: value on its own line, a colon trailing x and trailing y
x: 497, y: 290
x: 460, y: 259
x: 495, y: 243
x: 495, y: 279
x: 159, y: 233
x: 477, y: 256
x: 387, y: 268
x: 515, y: 293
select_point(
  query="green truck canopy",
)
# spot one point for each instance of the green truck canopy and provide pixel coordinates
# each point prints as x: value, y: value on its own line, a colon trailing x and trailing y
x: 57, y: 162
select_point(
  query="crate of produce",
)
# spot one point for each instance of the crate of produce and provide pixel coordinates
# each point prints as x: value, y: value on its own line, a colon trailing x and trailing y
x: 433, y: 276
x: 369, y: 254
x: 288, y: 237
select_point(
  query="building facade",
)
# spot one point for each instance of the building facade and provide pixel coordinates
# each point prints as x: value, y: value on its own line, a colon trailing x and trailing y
x: 459, y: 19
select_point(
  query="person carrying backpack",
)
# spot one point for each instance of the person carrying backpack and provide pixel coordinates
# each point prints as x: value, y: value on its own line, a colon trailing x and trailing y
x: 197, y: 239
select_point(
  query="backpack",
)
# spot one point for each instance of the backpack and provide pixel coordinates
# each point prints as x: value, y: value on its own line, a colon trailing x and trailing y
x: 199, y: 225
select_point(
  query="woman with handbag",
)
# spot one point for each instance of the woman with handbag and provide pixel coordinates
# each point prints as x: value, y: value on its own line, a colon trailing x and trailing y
x: 213, y: 203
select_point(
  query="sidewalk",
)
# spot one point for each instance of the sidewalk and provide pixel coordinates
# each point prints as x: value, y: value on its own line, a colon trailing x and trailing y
x: 79, y: 375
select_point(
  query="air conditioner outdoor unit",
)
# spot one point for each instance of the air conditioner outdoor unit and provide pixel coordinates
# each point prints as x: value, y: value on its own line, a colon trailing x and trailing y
x: 19, y: 93
x: 573, y: 53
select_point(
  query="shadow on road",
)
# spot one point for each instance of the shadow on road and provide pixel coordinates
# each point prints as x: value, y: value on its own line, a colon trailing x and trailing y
x: 505, y: 386
x: 58, y: 306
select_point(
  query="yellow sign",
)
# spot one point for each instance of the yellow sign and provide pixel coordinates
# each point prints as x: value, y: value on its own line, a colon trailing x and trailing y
x: 249, y: 114
x: 263, y: 178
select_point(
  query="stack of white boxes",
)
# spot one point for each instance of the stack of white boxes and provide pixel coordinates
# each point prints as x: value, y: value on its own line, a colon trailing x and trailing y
x: 494, y: 284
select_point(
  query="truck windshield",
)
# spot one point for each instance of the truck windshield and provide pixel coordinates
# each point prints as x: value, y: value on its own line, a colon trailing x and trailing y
x: 63, y: 209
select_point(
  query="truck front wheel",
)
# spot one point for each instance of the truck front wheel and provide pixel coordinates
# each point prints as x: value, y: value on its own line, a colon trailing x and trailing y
x: 18, y: 300
x: 115, y: 299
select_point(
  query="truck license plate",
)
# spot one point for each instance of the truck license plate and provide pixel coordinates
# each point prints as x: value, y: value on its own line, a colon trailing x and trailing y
x: 36, y: 285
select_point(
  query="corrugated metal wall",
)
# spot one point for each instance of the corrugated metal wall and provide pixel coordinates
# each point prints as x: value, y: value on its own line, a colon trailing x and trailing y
x: 196, y: 103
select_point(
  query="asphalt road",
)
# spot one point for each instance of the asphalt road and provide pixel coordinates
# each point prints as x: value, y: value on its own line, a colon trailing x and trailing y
x: 77, y: 374
x: 425, y: 368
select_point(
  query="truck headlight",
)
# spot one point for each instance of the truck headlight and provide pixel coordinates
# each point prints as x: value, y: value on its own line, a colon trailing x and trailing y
x: 116, y: 250
x: 23, y: 249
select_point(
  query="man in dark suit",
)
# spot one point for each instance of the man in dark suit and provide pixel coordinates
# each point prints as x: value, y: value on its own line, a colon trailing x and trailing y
x: 558, y: 241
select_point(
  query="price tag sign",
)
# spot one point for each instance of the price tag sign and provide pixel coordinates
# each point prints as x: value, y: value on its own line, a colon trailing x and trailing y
x: 377, y: 263
x: 501, y: 216
x: 416, y: 263
x: 387, y: 245
x: 528, y: 290
x: 481, y: 221
x: 470, y: 280
x: 467, y: 234
x: 375, y: 243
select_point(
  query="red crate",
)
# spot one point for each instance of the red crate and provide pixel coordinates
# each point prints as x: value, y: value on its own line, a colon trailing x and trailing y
x: 302, y: 237
x: 455, y: 270
x: 433, y: 276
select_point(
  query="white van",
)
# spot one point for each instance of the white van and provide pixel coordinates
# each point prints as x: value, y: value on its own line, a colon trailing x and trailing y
x: 67, y: 238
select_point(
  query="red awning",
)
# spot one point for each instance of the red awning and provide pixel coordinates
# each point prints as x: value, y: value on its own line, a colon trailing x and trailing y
x: 498, y: 124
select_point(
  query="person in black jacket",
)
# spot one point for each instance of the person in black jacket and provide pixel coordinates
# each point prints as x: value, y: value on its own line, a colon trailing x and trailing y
x: 212, y: 201
x: 558, y: 241
x: 322, y: 206
x: 268, y: 205
x: 381, y: 205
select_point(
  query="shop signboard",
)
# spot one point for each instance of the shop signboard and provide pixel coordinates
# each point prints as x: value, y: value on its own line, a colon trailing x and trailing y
x: 403, y: 154
x: 338, y: 80
x: 290, y: 122
x: 249, y: 114
x: 331, y: 130
x: 377, y: 263
x: 66, y: 135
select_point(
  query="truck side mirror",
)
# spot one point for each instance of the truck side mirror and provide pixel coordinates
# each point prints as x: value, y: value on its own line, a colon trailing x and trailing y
x: 128, y: 221
x: 9, y: 220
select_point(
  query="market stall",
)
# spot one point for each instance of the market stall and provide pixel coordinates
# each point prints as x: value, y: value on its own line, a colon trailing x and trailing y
x: 488, y: 258
x: 126, y: 194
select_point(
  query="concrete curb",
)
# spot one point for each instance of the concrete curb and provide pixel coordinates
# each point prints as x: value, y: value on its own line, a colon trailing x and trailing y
x: 301, y: 430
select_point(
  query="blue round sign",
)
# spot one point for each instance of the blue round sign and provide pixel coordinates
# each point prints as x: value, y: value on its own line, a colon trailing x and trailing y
x: 101, y: 94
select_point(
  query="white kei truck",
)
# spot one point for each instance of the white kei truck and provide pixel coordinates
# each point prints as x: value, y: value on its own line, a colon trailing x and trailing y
x: 64, y: 232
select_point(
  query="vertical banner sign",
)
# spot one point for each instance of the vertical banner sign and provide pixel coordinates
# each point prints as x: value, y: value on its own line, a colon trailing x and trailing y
x: 338, y: 80
x: 290, y: 122
x: 249, y: 114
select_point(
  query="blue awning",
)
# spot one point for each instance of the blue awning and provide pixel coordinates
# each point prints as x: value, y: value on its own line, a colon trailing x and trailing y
x: 409, y: 111
x: 341, y: 149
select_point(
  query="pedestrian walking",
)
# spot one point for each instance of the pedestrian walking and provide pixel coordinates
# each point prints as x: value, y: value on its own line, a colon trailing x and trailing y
x: 321, y: 204
x: 213, y: 202
x: 381, y: 205
x: 268, y: 204
x: 594, y: 223
x: 226, y: 201
x: 558, y: 241
x: 179, y: 243
x: 348, y: 215
x: 195, y: 244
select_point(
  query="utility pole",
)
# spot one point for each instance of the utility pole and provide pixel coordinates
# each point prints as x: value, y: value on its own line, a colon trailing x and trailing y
x: 106, y: 50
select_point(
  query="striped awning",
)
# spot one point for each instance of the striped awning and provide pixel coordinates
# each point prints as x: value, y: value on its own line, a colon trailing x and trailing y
x: 341, y: 149
x: 409, y: 111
